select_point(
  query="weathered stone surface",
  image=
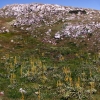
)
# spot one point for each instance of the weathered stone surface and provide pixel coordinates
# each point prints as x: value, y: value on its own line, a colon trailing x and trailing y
x: 30, y: 16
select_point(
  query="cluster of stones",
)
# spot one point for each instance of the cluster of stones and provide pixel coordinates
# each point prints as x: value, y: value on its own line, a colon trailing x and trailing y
x: 4, y: 30
x: 34, y: 14
x: 29, y: 16
x: 77, y: 30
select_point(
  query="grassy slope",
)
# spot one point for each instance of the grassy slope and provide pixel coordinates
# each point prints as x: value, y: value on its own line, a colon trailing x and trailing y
x: 74, y: 52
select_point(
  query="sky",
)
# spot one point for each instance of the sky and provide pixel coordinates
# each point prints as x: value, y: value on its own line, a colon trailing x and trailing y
x: 93, y: 4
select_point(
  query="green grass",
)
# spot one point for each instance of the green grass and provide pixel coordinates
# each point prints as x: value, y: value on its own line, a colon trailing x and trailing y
x: 49, y: 62
x: 74, y: 58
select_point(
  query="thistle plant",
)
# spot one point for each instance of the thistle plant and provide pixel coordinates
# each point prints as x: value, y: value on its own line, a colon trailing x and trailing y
x: 44, y: 78
x: 66, y: 70
x: 21, y: 70
x: 22, y: 98
x: 42, y: 54
x: 15, y: 60
x: 70, y: 81
x: 33, y: 68
x: 92, y: 85
x: 7, y: 56
x: 83, y: 74
x: 39, y: 95
x: 61, y: 58
x: 11, y: 66
x: 13, y: 76
x: 39, y: 63
x: 90, y: 73
x: 59, y: 83
x: 22, y: 91
x: 28, y: 72
x: 66, y: 78
x: 78, y: 83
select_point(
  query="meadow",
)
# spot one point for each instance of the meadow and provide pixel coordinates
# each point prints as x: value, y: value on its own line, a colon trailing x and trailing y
x: 32, y: 70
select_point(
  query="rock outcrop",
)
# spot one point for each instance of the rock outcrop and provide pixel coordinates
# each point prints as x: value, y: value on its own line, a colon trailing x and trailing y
x: 28, y: 17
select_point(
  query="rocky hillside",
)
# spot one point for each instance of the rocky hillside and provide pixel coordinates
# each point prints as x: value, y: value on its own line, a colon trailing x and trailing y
x: 52, y: 22
x: 49, y: 52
